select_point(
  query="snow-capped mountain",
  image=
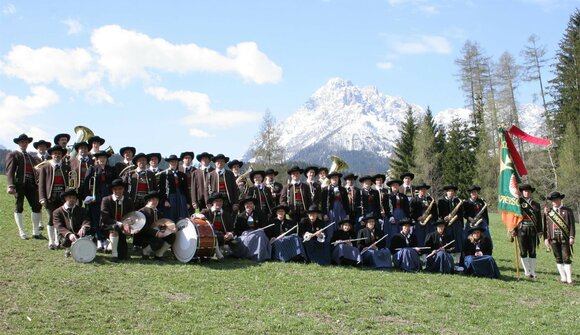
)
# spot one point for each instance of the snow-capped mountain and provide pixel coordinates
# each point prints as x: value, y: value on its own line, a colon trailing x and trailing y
x: 358, y: 124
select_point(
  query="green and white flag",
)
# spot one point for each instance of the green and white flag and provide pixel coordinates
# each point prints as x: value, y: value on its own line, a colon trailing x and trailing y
x: 508, y: 199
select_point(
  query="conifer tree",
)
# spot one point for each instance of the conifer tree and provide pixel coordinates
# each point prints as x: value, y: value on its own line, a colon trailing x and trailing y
x: 427, y: 155
x: 458, y: 164
x: 402, y: 159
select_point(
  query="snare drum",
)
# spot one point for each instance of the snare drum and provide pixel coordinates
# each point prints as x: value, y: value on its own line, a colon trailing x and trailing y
x: 193, y: 238
x: 83, y: 250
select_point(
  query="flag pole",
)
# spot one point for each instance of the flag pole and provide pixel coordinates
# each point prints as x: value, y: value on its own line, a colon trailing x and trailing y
x: 516, y: 258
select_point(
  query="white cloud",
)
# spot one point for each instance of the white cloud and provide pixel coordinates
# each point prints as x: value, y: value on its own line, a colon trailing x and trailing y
x: 14, y: 111
x: 9, y: 9
x: 127, y: 55
x: 385, y: 65
x: 73, y: 69
x: 74, y: 26
x: 420, y: 44
x: 199, y: 133
x: 200, y: 106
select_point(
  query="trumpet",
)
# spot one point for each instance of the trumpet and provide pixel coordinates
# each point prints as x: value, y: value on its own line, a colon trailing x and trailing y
x: 72, y: 180
x: 93, y: 188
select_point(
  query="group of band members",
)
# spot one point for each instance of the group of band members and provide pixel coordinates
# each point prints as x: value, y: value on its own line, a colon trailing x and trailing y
x: 309, y: 219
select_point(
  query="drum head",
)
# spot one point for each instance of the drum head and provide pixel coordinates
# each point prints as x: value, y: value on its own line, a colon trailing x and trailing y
x: 83, y: 250
x: 185, y: 243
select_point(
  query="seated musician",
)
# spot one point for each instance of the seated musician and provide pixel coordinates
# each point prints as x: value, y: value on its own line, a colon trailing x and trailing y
x: 477, y: 249
x: 404, y: 248
x: 113, y: 208
x: 314, y: 238
x: 221, y: 220
x: 289, y: 246
x: 440, y: 244
x: 71, y: 220
x: 153, y: 240
x: 253, y: 242
x: 344, y: 252
x: 372, y: 247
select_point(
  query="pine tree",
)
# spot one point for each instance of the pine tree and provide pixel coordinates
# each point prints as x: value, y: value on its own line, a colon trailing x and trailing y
x: 267, y: 149
x: 427, y: 154
x: 565, y: 86
x: 486, y: 168
x: 534, y: 60
x: 569, y: 157
x: 472, y: 72
x: 458, y: 158
x: 402, y: 159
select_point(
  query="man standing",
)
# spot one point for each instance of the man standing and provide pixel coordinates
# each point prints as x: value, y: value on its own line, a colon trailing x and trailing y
x: 199, y: 193
x: 22, y: 182
x: 296, y: 195
x: 529, y: 230
x: 559, y: 234
x: 52, y: 181
x: 223, y: 181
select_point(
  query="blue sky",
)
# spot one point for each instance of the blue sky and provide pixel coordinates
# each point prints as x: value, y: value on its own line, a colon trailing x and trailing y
x: 198, y: 75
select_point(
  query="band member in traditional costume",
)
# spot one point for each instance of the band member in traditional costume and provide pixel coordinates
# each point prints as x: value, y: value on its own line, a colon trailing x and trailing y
x: 288, y: 247
x: 424, y: 213
x: 529, y: 230
x: 21, y: 180
x: 223, y: 180
x: 274, y: 186
x: 259, y: 191
x: 344, y: 251
x: 474, y: 206
x: 313, y: 186
x: 140, y: 181
x: 222, y: 221
x: 95, y: 142
x: 173, y: 188
x: 242, y: 182
x: 407, y: 186
x: 559, y: 234
x: 478, y: 249
x: 335, y: 205
x: 97, y: 185
x: 153, y: 240
x: 315, y: 243
x: 323, y: 177
x: 62, y: 140
x: 398, y: 208
x: 253, y: 242
x: 352, y: 191
x: 52, y: 181
x: 379, y: 180
x: 153, y: 160
x: 113, y: 208
x: 41, y: 153
x: 439, y: 259
x: 404, y: 248
x: 199, y: 187
x: 445, y: 207
x: 188, y: 168
x: 373, y: 247
x: 71, y: 220
x: 79, y: 167
x: 296, y: 195
x: 368, y: 201
x: 127, y: 153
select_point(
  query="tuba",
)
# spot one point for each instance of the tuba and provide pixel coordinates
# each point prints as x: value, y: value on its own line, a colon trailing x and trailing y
x: 244, y: 175
x: 82, y: 135
x: 337, y: 164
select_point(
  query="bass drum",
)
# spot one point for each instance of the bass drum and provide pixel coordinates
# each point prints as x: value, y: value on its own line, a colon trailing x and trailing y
x: 83, y: 250
x: 193, y: 238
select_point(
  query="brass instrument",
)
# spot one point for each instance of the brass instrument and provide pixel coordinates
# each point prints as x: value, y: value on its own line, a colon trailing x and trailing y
x: 453, y: 215
x: 422, y: 219
x: 479, y: 216
x: 82, y: 135
x: 42, y: 164
x: 244, y: 175
x: 161, y: 172
x: 110, y: 150
x: 127, y: 171
x: 337, y: 165
x: 93, y: 189
x: 72, y: 180
x: 320, y: 236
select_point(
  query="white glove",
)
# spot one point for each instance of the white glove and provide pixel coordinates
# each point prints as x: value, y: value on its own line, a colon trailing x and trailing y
x: 88, y: 199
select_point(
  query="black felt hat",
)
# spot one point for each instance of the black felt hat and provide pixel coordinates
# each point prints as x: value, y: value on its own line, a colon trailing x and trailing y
x: 41, y: 142
x: 187, y: 153
x: 172, y: 158
x: 295, y: 169
x: 123, y: 149
x: 22, y: 137
x: 203, y: 154
x: 394, y: 181
x: 271, y: 171
x: 56, y: 148
x: 407, y: 174
x: 556, y: 195
x: 235, y: 162
x: 154, y: 154
x: 220, y: 156
x: 59, y: 136
x: 95, y: 139
x: 137, y: 157
x: 527, y: 187
x: 350, y: 176
x: 80, y: 144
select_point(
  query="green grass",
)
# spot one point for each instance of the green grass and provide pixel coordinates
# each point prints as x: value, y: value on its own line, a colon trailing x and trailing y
x: 41, y: 292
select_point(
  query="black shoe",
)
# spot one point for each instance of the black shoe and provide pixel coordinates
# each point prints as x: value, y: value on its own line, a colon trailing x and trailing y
x: 52, y: 247
x: 101, y: 250
x: 38, y: 237
x: 115, y: 259
x: 145, y: 257
x: 159, y: 259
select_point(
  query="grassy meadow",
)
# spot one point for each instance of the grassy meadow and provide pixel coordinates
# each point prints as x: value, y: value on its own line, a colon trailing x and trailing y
x: 41, y: 292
